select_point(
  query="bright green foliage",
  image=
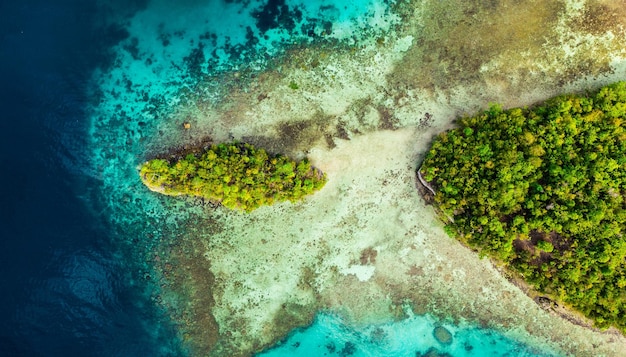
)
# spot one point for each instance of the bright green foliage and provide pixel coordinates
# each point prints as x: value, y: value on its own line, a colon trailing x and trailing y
x: 236, y: 175
x: 543, y: 190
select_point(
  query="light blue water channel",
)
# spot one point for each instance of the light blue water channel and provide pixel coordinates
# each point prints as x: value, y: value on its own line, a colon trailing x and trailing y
x: 414, y: 336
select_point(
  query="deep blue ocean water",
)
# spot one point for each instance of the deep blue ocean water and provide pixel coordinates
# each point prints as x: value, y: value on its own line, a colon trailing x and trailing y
x: 66, y: 289
x: 75, y: 222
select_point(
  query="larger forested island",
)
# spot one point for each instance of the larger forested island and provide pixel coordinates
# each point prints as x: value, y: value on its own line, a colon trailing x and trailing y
x: 236, y: 175
x: 542, y: 190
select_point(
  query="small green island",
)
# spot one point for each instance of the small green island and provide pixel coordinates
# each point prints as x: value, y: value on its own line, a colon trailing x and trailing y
x: 542, y: 190
x: 236, y: 175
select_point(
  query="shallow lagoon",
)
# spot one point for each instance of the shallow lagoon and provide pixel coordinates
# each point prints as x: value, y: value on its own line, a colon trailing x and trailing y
x: 156, y: 52
x: 414, y: 336
x: 177, y: 57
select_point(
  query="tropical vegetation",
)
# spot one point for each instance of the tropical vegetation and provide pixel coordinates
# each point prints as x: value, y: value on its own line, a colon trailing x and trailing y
x: 542, y: 190
x: 236, y: 175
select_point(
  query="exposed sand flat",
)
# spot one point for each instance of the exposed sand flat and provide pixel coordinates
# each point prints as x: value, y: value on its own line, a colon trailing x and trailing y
x: 367, y: 243
x: 366, y: 256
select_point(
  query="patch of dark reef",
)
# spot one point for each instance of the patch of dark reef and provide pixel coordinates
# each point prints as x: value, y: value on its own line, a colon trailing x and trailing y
x: 276, y: 14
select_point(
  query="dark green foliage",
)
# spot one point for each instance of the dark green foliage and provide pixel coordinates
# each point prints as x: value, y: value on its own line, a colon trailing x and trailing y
x: 542, y: 190
x: 236, y: 175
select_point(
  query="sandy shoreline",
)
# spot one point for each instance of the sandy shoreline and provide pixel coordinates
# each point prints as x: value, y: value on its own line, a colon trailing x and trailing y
x: 367, y: 244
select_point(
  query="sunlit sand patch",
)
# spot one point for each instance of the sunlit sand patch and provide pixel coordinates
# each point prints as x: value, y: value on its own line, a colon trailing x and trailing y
x: 290, y: 254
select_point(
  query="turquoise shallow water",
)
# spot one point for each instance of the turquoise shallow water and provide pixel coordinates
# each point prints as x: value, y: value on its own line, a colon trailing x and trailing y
x: 167, y: 50
x: 330, y: 336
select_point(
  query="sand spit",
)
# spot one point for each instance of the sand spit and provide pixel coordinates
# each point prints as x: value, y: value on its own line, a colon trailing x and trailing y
x: 366, y: 245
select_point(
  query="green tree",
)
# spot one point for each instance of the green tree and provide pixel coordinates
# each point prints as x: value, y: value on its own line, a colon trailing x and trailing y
x: 236, y: 175
x: 542, y: 190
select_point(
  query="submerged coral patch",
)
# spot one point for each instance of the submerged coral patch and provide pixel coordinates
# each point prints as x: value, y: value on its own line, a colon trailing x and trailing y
x: 442, y: 335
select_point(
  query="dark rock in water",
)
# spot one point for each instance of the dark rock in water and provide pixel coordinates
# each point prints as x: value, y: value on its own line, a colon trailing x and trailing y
x: 432, y: 352
x: 442, y: 335
x: 331, y: 347
x: 378, y: 335
x: 348, y: 349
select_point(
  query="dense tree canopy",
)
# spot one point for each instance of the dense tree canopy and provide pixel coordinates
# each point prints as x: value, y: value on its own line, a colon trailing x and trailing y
x: 542, y: 190
x: 236, y: 175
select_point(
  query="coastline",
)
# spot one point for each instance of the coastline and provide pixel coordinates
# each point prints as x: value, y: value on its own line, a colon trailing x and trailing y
x: 366, y: 245
x: 415, y: 260
x: 544, y: 301
x: 370, y: 203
